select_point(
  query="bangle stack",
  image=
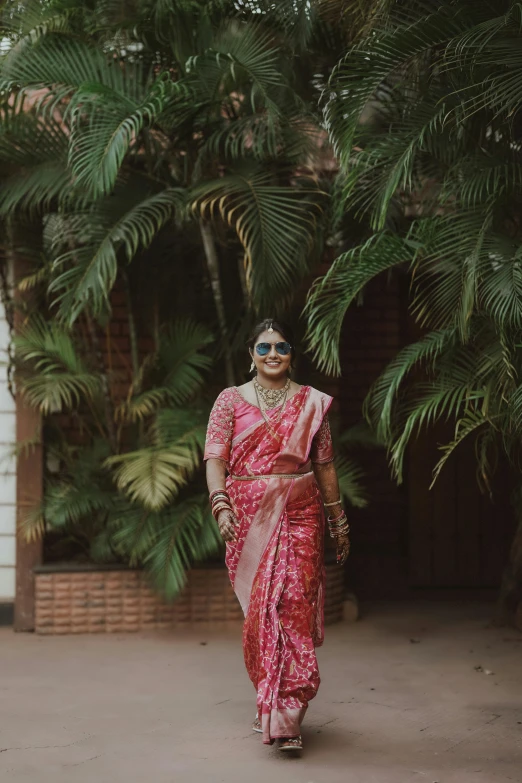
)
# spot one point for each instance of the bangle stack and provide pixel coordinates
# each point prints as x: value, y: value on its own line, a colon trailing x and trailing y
x: 219, y: 501
x: 338, y: 525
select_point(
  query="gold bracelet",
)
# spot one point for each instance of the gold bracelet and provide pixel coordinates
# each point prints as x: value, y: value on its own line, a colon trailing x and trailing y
x: 336, y: 503
x: 220, y: 507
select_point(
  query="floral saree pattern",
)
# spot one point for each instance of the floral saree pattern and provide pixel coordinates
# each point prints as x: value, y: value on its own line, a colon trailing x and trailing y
x: 276, y: 562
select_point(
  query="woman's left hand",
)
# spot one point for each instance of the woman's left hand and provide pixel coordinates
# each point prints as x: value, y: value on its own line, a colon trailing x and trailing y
x: 343, y: 549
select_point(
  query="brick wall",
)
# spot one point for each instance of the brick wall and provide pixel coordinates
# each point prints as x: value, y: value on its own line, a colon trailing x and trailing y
x: 114, y: 601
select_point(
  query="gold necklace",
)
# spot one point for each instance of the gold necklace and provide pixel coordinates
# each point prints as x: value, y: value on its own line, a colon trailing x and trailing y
x: 270, y: 421
x: 271, y: 397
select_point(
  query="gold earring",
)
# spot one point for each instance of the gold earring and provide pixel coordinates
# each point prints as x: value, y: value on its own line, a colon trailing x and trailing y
x: 252, y: 366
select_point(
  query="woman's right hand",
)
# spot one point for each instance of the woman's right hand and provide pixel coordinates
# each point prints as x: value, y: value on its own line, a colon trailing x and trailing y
x: 343, y: 549
x: 227, y: 522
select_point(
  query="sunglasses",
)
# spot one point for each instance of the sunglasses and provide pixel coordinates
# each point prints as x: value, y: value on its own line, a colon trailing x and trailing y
x: 283, y: 349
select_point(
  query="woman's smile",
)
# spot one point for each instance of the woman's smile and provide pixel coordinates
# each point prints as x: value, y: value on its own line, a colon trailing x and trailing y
x: 272, y: 366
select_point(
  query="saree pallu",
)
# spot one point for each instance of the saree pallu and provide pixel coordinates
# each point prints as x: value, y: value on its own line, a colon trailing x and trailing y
x: 276, y: 562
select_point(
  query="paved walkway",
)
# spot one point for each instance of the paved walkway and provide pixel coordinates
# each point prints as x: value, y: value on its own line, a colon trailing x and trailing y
x: 400, y: 702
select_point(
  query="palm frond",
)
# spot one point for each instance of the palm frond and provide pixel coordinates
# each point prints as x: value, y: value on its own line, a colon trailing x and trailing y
x: 258, y: 135
x: 379, y: 404
x: 103, y: 129
x: 32, y: 526
x: 465, y: 427
x: 153, y: 476
x: 445, y: 398
x: 242, y: 58
x: 180, y: 354
x: 143, y: 405
x: 188, y: 533
x: 35, y: 279
x: 59, y: 378
x: 175, y: 425
x: 501, y: 284
x: 67, y: 503
x: 27, y: 22
x: 58, y: 66
x: 331, y: 295
x: 37, y: 153
x: 274, y: 223
x: 85, y: 275
x: 453, y: 249
x: 350, y: 477
x: 167, y: 542
x: 370, y: 63
x: 391, y: 164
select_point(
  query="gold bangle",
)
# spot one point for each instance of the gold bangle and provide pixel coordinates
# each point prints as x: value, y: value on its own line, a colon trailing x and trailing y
x: 218, y: 492
x: 341, y: 516
x: 336, y: 503
x: 221, y: 507
x: 340, y: 533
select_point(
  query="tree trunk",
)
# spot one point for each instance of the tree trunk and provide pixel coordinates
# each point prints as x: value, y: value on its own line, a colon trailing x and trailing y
x: 511, y: 588
x: 213, y: 270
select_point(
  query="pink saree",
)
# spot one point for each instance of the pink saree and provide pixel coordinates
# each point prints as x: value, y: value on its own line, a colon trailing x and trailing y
x: 276, y: 563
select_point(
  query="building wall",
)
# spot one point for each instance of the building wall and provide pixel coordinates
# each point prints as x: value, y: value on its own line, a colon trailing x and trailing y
x: 411, y: 539
x: 372, y: 334
x: 7, y: 474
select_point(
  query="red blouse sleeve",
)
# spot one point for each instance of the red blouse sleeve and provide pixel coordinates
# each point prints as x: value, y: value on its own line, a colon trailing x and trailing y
x: 220, y: 427
x: 322, y: 447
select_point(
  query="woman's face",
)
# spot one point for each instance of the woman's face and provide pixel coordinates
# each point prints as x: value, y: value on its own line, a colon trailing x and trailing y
x: 274, y: 365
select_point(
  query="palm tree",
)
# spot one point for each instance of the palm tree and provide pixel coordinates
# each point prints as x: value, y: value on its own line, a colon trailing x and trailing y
x: 174, y: 113
x: 424, y: 115
x: 142, y: 502
x: 130, y: 143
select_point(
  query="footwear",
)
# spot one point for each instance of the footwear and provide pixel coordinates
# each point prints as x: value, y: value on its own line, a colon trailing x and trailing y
x: 291, y: 743
x: 256, y: 726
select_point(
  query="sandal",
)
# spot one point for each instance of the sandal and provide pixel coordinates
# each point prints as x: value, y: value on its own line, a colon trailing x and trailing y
x: 256, y: 726
x: 291, y: 743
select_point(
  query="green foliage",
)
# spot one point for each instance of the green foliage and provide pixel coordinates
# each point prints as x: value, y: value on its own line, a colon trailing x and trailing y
x: 274, y: 225
x: 423, y: 115
x: 124, y: 129
x: 350, y: 477
x: 169, y: 542
x: 124, y: 505
x: 54, y: 376
x: 331, y: 295
x: 204, y: 116
x: 85, y: 275
x: 154, y: 475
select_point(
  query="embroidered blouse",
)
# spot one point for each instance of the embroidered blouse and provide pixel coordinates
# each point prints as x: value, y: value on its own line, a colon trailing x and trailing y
x: 227, y: 418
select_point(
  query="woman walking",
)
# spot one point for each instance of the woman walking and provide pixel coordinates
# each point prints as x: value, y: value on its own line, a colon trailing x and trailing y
x: 269, y: 465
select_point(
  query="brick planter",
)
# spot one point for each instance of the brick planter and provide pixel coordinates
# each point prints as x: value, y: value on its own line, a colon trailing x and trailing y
x: 78, y: 599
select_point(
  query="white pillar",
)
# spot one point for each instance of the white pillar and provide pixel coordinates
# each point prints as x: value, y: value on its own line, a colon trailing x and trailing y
x: 7, y: 473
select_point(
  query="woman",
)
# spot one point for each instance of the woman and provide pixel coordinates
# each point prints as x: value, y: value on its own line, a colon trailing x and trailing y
x: 273, y: 439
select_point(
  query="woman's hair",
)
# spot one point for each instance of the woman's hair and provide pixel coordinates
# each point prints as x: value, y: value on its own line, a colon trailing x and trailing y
x: 277, y: 326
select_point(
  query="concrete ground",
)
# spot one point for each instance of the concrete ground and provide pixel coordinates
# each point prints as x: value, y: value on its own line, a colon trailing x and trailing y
x: 401, y: 700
